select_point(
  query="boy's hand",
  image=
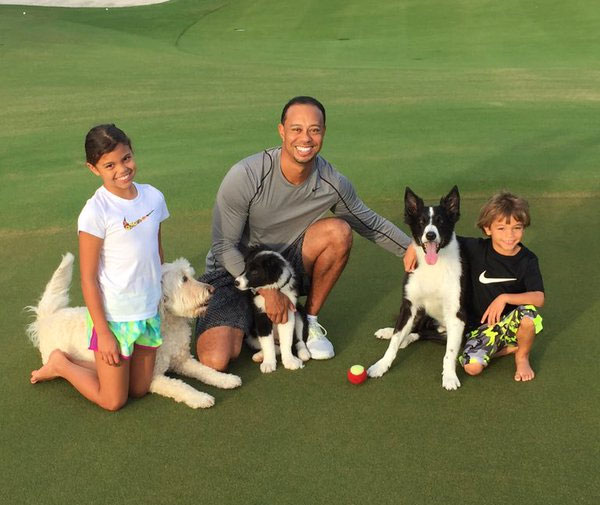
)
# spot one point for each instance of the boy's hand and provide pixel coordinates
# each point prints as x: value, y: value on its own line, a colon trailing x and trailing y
x: 276, y: 305
x: 108, y: 349
x: 493, y: 313
x: 410, y: 259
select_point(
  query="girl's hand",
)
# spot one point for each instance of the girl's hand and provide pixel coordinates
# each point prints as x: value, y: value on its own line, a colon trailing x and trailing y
x: 108, y: 349
x: 493, y: 313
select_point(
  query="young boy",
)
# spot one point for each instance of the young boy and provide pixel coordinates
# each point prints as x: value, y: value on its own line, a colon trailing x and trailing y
x: 507, y: 288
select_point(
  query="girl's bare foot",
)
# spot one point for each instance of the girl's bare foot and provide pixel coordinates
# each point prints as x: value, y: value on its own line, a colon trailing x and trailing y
x: 49, y: 370
x: 524, y: 371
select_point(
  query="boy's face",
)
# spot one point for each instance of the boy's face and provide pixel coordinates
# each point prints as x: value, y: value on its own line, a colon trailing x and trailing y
x: 506, y: 235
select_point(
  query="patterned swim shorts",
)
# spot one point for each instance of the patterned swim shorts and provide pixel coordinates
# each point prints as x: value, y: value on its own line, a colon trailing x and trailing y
x: 485, y: 341
x: 144, y: 333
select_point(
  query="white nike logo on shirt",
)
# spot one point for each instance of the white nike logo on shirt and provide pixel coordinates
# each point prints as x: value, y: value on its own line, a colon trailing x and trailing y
x: 487, y: 280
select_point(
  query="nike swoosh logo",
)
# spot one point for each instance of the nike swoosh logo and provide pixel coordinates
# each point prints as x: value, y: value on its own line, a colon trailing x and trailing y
x: 129, y: 226
x: 487, y: 280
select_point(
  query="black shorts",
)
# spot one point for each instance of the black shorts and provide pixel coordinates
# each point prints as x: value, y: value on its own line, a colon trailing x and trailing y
x: 233, y: 308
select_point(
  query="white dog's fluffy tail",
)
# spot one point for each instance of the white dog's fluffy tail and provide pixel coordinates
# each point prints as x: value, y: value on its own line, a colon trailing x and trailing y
x: 55, y: 297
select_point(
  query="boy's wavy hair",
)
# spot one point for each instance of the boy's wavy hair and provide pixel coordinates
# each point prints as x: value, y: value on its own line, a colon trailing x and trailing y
x: 103, y: 139
x: 504, y: 204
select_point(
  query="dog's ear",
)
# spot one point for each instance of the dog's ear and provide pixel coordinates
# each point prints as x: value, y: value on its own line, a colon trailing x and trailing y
x: 451, y: 203
x: 412, y: 203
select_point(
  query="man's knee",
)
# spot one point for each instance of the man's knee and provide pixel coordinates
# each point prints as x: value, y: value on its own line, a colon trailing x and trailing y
x: 216, y: 361
x: 216, y: 347
x: 339, y: 233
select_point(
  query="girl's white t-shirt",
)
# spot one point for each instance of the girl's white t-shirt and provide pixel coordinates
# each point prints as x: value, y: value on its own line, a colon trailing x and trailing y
x: 129, y: 271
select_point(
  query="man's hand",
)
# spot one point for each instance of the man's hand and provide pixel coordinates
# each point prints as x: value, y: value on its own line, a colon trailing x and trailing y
x: 494, y: 312
x: 410, y: 259
x: 276, y: 305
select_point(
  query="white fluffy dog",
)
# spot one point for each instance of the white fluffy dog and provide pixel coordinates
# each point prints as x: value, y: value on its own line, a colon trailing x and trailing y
x: 58, y: 326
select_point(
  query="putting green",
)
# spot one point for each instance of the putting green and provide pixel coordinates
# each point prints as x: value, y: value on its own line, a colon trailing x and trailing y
x: 428, y: 94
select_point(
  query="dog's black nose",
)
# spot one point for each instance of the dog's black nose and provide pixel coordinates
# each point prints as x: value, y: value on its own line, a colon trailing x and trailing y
x: 430, y: 235
x: 236, y: 283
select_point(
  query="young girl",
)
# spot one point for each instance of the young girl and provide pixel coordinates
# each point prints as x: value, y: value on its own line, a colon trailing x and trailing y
x: 120, y: 254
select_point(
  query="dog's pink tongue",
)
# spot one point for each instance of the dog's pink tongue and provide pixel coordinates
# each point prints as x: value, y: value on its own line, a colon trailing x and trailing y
x: 431, y: 255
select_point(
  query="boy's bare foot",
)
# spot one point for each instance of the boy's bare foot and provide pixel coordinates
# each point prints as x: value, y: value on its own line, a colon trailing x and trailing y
x: 524, y: 371
x: 49, y: 370
x: 507, y: 349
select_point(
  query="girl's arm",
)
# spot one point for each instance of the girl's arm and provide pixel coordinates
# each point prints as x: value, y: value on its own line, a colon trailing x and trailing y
x: 89, y: 256
x: 161, y: 254
x: 494, y: 312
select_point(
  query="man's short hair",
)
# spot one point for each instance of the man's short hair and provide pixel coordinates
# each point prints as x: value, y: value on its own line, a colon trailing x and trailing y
x: 303, y: 100
x: 507, y: 205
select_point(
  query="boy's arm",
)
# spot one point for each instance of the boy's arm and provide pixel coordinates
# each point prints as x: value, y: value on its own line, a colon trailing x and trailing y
x: 494, y: 312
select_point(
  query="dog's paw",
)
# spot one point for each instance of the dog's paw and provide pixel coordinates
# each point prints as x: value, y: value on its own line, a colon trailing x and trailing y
x: 384, y: 333
x: 257, y: 357
x: 268, y: 366
x: 377, y: 370
x: 293, y: 363
x: 200, y: 401
x: 450, y: 381
x: 230, y: 381
x: 409, y: 339
x: 304, y: 354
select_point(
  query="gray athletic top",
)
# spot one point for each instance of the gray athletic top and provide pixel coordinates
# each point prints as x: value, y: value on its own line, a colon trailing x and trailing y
x: 256, y: 205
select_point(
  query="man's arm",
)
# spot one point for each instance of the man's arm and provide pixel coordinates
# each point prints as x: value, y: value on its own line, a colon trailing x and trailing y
x: 368, y: 223
x: 230, y: 215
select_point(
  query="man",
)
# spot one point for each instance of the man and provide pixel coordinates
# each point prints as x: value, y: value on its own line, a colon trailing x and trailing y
x: 277, y: 198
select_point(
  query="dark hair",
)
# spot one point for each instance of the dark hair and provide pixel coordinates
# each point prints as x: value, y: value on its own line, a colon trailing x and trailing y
x: 303, y: 100
x: 103, y: 139
x: 506, y: 205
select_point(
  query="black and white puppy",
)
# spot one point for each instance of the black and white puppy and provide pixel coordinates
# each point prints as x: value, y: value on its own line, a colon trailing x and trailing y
x: 436, y: 289
x: 266, y: 269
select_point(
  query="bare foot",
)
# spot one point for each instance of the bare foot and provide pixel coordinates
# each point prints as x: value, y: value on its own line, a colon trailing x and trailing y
x: 524, y: 371
x: 507, y: 349
x: 49, y: 370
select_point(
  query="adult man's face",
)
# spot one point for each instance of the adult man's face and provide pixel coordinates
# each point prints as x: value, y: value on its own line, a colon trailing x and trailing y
x: 302, y: 133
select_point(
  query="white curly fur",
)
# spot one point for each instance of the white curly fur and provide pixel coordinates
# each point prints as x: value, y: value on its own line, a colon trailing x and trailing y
x: 60, y: 327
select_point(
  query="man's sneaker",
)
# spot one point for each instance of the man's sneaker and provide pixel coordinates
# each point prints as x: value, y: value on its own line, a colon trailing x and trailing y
x: 318, y: 344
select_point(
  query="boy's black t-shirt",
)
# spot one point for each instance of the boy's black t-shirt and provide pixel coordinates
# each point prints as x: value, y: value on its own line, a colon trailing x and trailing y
x: 491, y: 274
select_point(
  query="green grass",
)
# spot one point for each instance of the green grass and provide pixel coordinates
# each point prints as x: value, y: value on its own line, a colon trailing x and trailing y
x: 426, y: 93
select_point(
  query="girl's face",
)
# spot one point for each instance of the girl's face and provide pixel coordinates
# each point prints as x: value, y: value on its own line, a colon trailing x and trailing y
x: 117, y: 170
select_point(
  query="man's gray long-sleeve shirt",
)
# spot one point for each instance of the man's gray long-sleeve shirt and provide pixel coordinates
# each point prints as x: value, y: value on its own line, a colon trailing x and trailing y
x: 256, y: 205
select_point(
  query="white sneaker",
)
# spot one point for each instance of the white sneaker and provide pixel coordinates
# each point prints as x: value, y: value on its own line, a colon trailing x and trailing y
x: 318, y: 344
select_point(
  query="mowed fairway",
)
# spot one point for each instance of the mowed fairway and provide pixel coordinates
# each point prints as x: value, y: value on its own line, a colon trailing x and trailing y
x: 428, y: 93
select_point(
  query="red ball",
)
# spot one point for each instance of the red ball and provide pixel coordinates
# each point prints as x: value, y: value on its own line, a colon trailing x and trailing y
x: 357, y: 374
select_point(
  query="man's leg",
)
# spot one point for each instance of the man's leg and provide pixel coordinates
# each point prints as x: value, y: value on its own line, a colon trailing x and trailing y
x: 217, y: 346
x: 325, y: 251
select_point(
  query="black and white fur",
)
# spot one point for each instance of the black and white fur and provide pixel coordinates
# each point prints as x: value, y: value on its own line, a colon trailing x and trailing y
x: 436, y: 288
x: 266, y: 269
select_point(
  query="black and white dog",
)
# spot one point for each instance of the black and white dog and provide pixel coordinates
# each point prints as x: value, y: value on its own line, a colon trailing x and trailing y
x: 436, y: 289
x: 266, y: 269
